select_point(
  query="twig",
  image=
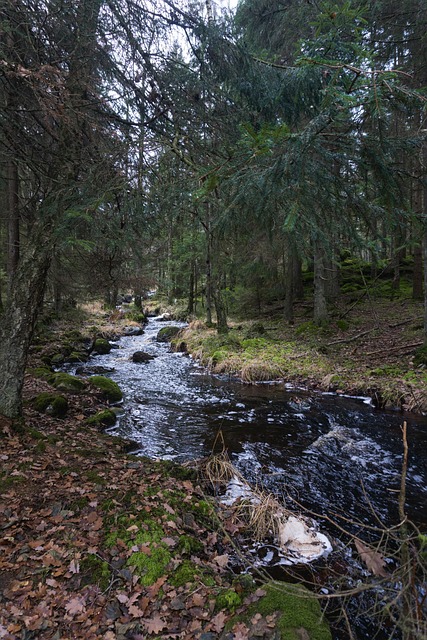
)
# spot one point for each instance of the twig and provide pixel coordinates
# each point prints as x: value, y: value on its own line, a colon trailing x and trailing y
x: 346, y: 340
x: 402, y: 346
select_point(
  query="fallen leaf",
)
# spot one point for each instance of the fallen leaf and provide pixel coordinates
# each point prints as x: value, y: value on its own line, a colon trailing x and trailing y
x: 221, y: 561
x: 74, y: 606
x: 373, y: 559
x: 74, y: 567
x: 154, y: 624
x: 218, y: 622
x: 170, y: 542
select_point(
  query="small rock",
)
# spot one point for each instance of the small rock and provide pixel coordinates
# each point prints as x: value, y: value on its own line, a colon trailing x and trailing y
x: 142, y: 356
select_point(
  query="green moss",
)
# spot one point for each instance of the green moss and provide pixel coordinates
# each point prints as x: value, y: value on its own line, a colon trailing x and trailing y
x: 256, y: 329
x: 93, y: 476
x: 228, y: 600
x: 106, y: 418
x: 67, y: 383
x: 95, y: 571
x: 51, y: 403
x: 307, y: 328
x: 255, y: 343
x: 108, y: 388
x: 299, y: 609
x: 150, y: 567
x: 44, y: 373
x: 57, y: 359
x: 40, y: 447
x: 136, y: 316
x: 189, y: 545
x: 188, y: 572
x: 77, y: 356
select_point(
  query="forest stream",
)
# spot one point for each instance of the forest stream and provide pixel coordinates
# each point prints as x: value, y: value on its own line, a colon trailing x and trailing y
x: 332, y: 455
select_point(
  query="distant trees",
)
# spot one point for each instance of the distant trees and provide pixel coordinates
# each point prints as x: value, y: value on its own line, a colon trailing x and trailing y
x: 220, y: 162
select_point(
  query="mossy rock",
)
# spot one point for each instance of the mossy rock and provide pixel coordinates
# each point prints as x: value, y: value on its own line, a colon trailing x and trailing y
x: 420, y: 356
x: 43, y: 373
x: 77, y: 356
x: 136, y: 316
x: 108, y: 388
x: 57, y: 359
x: 300, y: 615
x: 106, y: 418
x: 67, y: 383
x: 102, y: 346
x: 167, y: 333
x: 55, y: 405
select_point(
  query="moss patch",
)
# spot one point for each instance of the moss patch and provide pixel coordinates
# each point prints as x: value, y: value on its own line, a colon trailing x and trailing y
x: 299, y: 611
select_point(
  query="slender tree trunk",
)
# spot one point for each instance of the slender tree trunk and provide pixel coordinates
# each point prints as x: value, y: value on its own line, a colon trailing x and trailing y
x: 209, y: 288
x: 13, y: 220
x: 190, y: 306
x: 320, y: 307
x: 288, y: 264
x: 18, y: 321
x: 220, y: 309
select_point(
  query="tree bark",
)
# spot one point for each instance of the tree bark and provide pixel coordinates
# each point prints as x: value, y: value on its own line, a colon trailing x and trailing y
x: 18, y: 321
x: 13, y: 220
x: 320, y: 307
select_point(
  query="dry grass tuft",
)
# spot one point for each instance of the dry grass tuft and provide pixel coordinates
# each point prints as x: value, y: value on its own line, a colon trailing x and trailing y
x: 196, y: 325
x: 219, y: 470
x: 260, y: 372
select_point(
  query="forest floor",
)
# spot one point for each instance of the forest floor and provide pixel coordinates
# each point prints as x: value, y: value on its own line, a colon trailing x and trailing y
x: 98, y: 543
x: 367, y: 349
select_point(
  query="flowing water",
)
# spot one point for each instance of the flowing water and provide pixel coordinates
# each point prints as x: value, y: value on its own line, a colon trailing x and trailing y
x: 331, y: 455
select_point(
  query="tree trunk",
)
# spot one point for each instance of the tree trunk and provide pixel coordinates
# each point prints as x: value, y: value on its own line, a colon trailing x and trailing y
x: 320, y: 307
x: 288, y: 267
x: 190, y: 306
x: 221, y: 311
x: 18, y: 321
x: 208, y: 267
x: 13, y: 220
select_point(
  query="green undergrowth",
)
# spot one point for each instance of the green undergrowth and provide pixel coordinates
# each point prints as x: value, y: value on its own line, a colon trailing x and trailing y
x: 253, y: 359
x: 145, y: 533
x: 299, y: 612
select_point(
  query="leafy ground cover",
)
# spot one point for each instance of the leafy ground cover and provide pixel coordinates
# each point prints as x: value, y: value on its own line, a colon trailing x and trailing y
x: 98, y: 543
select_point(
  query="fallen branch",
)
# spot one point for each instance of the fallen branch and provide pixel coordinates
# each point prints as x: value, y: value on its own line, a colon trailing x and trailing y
x: 402, y: 346
x: 346, y: 340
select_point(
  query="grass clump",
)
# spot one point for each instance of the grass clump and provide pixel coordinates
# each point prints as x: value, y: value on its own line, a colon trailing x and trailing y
x: 108, y: 389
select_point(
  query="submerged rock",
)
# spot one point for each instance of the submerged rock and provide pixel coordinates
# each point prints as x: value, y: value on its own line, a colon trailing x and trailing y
x: 142, y: 356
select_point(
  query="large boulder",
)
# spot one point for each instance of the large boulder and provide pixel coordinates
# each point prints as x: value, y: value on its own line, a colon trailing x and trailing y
x: 167, y: 333
x: 102, y: 346
x: 133, y: 331
x: 142, y: 356
x: 52, y: 404
x: 107, y: 388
